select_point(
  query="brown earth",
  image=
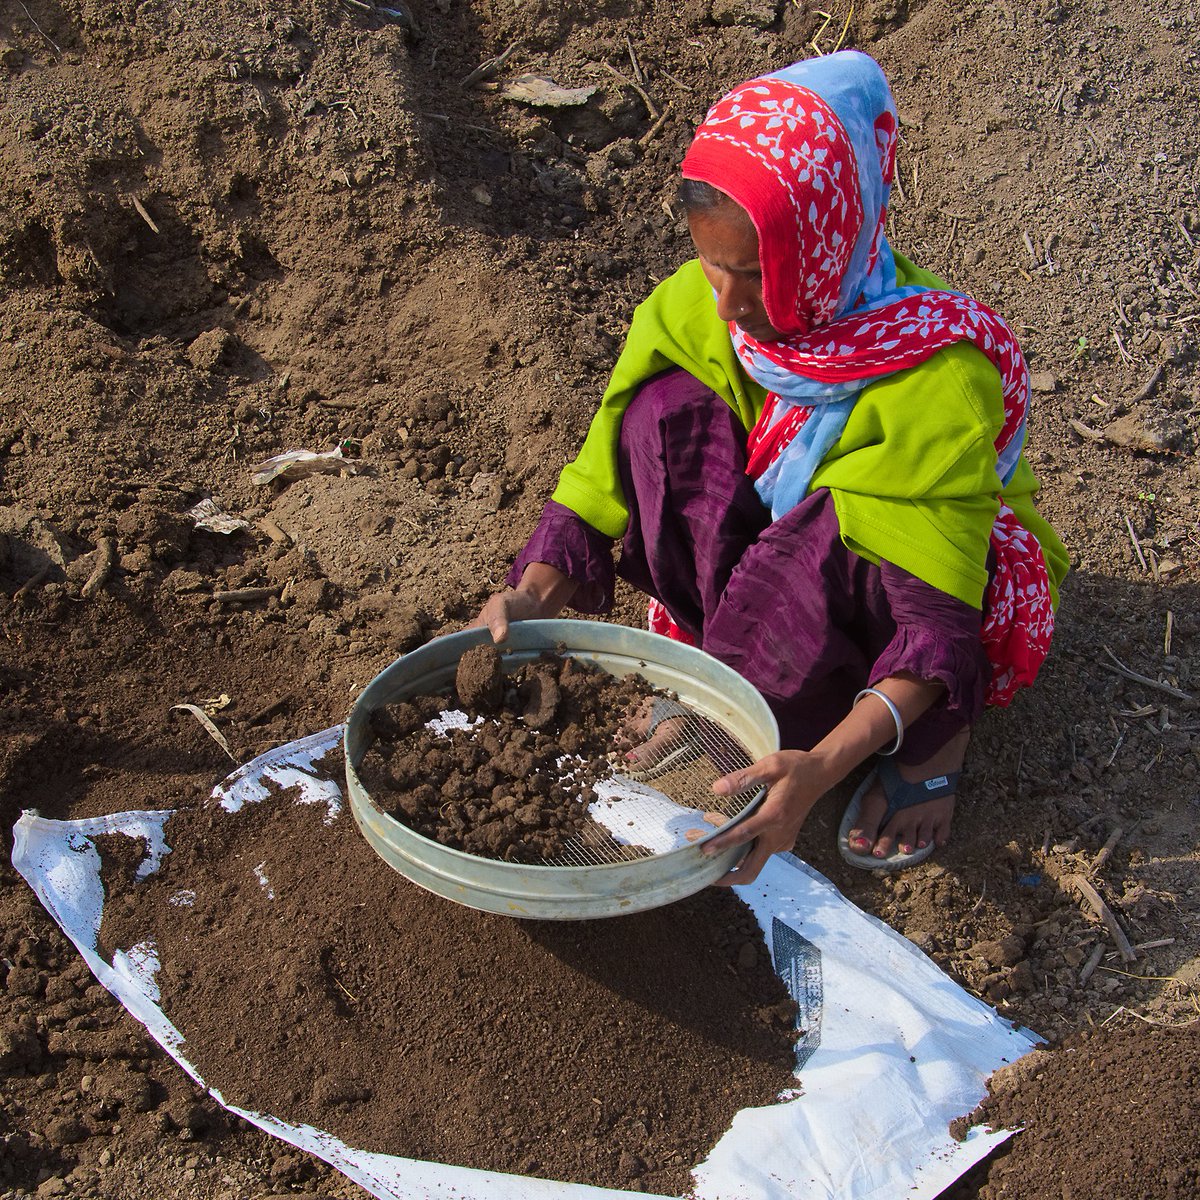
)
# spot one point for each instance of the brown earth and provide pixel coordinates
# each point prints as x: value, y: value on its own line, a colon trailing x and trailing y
x: 229, y: 230
x: 613, y: 1052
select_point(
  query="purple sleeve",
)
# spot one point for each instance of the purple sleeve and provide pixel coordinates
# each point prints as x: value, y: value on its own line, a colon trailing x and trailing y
x: 566, y: 542
x: 937, y: 638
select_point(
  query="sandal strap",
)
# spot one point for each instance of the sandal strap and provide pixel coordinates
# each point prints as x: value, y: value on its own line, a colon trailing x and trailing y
x: 902, y: 794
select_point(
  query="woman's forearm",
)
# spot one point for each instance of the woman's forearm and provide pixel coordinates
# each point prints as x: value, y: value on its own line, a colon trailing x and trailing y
x: 870, y: 726
x: 548, y: 586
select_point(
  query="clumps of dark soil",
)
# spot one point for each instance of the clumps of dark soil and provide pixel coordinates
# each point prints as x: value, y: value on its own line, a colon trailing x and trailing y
x: 120, y: 858
x: 1133, y: 1089
x: 312, y: 982
x: 501, y: 788
x: 479, y: 679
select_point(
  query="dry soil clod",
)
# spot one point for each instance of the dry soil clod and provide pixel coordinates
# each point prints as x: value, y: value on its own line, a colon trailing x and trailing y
x: 106, y: 558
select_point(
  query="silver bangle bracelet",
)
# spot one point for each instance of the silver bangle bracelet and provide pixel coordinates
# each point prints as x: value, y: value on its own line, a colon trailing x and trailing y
x: 895, y: 717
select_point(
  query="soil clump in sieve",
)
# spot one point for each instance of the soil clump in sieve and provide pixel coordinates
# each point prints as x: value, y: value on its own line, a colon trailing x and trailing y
x: 515, y: 784
x: 312, y: 982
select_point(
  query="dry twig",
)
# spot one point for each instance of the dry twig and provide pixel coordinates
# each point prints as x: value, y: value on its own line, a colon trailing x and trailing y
x: 636, y: 66
x: 269, y: 710
x: 1089, y: 967
x: 1119, y: 668
x: 651, y: 107
x: 1155, y: 944
x: 1147, y: 1021
x: 1106, y: 850
x: 652, y: 132
x: 1121, y: 346
x: 489, y: 68
x: 242, y: 595
x: 1086, y: 431
x: 54, y: 45
x: 32, y: 583
x: 1149, y: 386
x: 141, y: 211
x: 1098, y: 906
x: 1112, y: 758
x: 1137, y: 546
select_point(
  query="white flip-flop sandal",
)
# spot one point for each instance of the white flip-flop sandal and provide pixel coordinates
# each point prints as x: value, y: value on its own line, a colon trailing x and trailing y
x: 900, y: 794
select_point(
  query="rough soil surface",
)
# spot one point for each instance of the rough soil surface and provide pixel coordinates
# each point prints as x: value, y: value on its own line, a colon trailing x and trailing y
x: 1045, y: 1093
x: 230, y: 230
x: 613, y: 1052
x: 516, y: 783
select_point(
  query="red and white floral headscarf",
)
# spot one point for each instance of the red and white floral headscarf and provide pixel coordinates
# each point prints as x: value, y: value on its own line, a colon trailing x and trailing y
x: 809, y: 153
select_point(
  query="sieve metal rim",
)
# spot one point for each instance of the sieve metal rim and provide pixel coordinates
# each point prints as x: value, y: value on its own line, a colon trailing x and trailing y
x: 543, y: 890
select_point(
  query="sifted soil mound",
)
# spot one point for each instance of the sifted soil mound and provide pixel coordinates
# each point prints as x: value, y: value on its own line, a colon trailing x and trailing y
x: 1133, y: 1088
x: 230, y: 230
x: 312, y: 982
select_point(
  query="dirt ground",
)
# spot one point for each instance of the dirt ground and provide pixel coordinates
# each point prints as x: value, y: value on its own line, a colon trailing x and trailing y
x: 234, y: 229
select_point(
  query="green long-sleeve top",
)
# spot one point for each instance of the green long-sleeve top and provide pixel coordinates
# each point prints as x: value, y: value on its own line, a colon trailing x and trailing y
x: 913, y: 475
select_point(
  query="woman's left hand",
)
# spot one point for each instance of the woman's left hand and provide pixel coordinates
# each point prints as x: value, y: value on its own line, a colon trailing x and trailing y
x: 795, y: 780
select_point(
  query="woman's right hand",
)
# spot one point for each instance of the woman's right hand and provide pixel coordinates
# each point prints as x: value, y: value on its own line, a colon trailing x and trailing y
x: 512, y: 605
x: 795, y: 781
x: 540, y: 595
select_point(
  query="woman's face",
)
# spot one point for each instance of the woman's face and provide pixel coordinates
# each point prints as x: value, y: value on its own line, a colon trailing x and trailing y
x: 727, y: 242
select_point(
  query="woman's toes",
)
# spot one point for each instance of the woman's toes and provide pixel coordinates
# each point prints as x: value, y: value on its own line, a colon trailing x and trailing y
x: 883, y: 847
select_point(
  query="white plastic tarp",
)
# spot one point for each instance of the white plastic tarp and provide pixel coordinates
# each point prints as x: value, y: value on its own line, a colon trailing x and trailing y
x: 892, y: 1050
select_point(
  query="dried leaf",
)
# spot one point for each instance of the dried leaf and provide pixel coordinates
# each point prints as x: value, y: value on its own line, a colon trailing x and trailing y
x: 540, y: 92
x: 209, y: 728
x: 209, y: 515
x: 296, y: 464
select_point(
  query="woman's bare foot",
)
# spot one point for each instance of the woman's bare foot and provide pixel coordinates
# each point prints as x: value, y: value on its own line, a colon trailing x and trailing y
x: 917, y: 826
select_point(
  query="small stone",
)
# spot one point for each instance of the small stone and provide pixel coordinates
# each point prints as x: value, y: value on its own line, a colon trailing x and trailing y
x: 489, y: 490
x: 210, y: 349
x: 1003, y: 953
x: 1021, y: 977
x: 65, y: 1131
x: 1132, y: 433
x: 757, y: 14
x: 1043, y: 381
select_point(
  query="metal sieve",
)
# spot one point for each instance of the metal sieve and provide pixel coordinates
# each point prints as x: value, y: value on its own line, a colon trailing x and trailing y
x: 658, y: 822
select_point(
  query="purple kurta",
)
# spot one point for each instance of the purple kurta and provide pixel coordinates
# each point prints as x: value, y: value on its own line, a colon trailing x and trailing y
x: 784, y: 603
